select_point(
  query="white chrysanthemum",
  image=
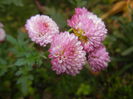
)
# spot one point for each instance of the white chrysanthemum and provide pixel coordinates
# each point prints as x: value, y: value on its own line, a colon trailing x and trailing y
x: 41, y: 29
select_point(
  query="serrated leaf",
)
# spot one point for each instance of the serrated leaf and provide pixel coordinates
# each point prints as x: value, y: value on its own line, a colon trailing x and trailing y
x: 20, y: 62
x: 11, y: 40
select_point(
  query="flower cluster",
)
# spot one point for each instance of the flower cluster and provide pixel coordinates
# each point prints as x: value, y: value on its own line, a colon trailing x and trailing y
x: 70, y: 51
x: 91, y: 31
x: 2, y: 33
x: 88, y: 27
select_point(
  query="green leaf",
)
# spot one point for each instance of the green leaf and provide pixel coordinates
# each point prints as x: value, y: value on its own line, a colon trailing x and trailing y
x: 25, y: 83
x: 78, y: 3
x: 127, y: 51
x: 12, y: 40
x: 84, y: 89
x: 20, y: 62
x: 57, y: 16
x: 15, y: 2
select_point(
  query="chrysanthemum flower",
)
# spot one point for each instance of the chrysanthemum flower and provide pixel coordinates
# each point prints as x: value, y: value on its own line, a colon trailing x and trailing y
x: 67, y: 54
x: 88, y: 27
x: 81, y: 11
x: 98, y: 59
x: 2, y: 33
x: 41, y: 29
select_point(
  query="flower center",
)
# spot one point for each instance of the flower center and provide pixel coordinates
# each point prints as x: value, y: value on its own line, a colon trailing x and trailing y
x: 79, y: 33
x: 42, y: 28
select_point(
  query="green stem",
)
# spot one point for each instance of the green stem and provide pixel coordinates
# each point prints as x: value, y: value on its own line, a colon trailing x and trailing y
x: 70, y: 30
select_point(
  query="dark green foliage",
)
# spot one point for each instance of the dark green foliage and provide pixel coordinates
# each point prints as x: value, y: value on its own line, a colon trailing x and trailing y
x: 25, y: 70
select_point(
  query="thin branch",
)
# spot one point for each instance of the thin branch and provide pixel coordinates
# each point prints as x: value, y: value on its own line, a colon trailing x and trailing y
x: 39, y: 6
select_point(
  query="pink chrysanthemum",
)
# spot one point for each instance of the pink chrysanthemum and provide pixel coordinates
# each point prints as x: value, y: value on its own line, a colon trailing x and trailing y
x: 2, y: 33
x: 81, y: 11
x: 67, y: 54
x: 41, y: 29
x: 98, y: 59
x: 86, y: 24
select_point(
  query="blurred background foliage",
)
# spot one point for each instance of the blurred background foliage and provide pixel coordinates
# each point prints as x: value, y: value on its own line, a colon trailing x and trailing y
x: 25, y: 70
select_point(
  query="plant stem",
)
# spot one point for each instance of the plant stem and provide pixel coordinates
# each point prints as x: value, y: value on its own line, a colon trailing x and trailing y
x: 71, y: 29
x: 39, y: 6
